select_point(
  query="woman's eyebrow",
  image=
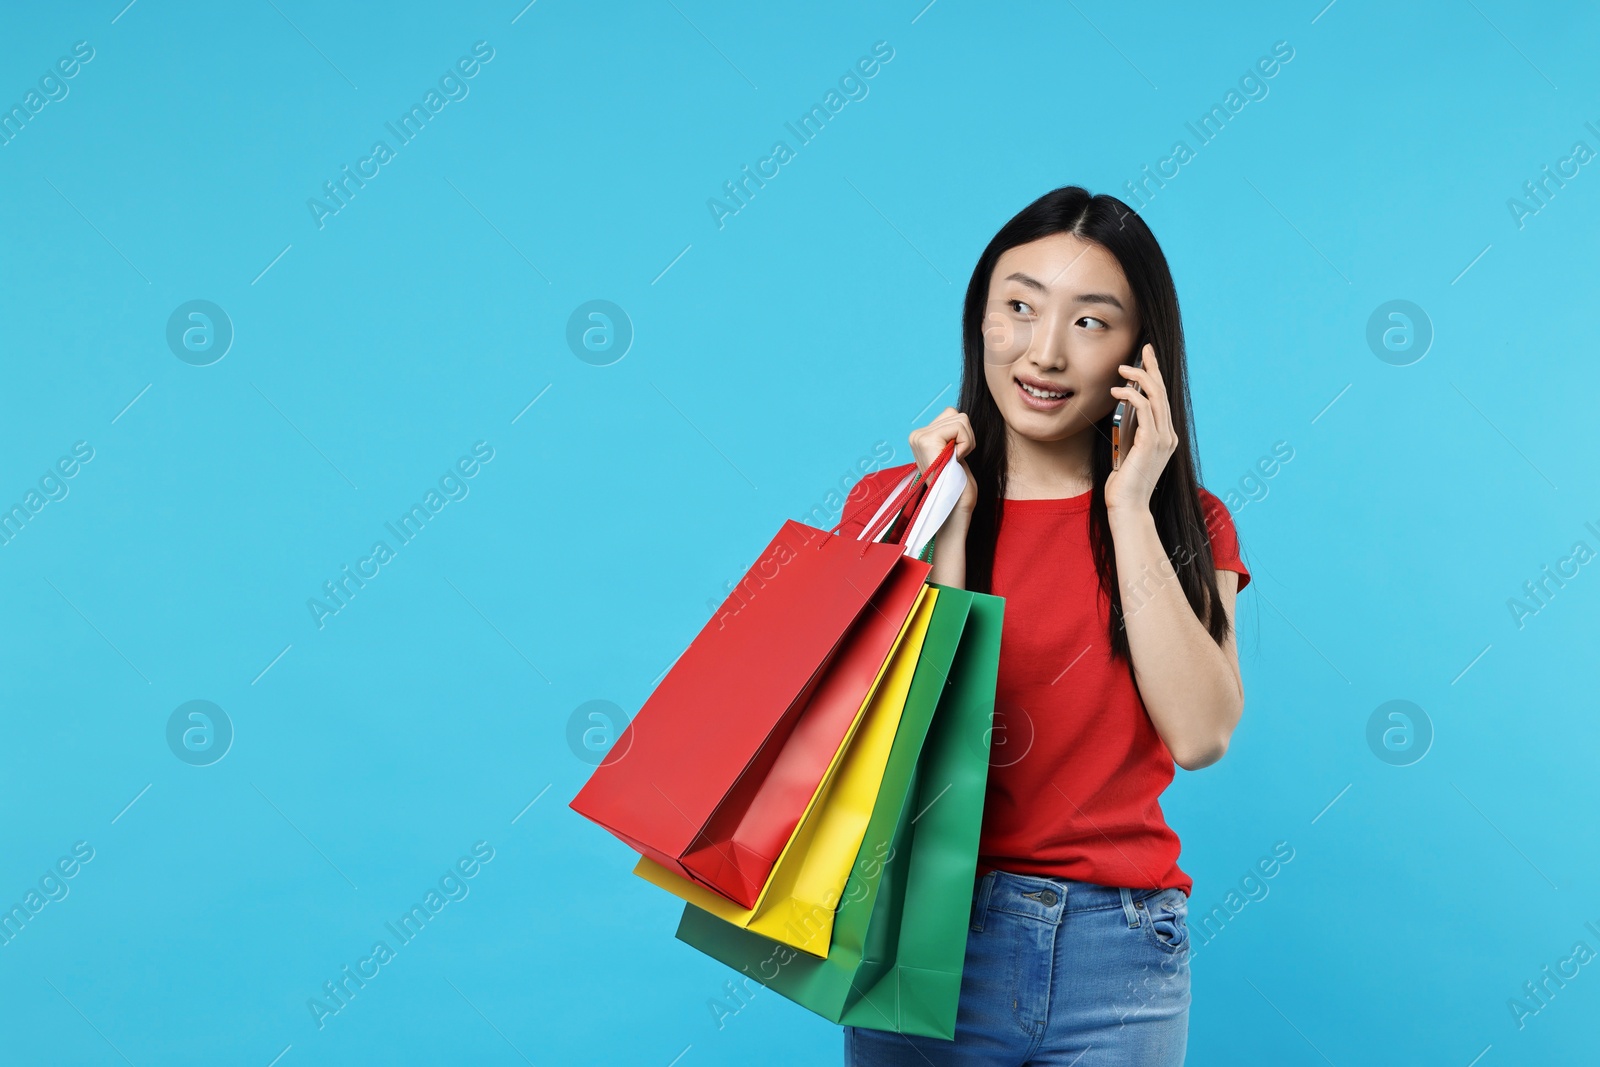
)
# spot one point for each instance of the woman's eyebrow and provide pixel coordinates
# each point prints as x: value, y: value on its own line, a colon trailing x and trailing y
x: 1082, y: 298
x: 1027, y: 279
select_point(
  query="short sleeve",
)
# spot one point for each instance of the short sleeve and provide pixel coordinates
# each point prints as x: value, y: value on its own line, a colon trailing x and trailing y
x: 1224, y: 537
x: 868, y: 495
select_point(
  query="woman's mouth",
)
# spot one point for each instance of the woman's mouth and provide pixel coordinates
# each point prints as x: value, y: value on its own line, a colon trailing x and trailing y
x: 1041, y: 399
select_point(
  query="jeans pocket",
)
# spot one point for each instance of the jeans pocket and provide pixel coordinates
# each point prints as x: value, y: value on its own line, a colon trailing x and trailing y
x: 1166, y: 919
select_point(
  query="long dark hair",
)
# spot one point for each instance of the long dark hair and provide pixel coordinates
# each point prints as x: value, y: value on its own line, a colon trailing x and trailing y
x: 1175, y: 501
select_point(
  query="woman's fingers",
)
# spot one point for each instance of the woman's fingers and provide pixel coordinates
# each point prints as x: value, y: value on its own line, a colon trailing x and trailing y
x: 960, y: 428
x: 928, y: 441
x: 1142, y: 403
x: 1155, y: 419
x: 1154, y: 386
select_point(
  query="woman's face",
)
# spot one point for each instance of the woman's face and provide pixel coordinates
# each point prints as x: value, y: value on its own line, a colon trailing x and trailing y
x: 1060, y: 318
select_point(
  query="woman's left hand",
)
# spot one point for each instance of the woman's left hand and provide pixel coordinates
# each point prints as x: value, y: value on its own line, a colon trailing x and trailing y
x: 1129, y: 486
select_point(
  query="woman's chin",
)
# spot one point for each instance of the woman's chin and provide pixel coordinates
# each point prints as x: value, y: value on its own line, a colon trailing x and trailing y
x: 1045, y: 429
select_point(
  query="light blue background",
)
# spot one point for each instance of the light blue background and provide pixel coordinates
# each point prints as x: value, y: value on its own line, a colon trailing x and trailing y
x: 769, y: 357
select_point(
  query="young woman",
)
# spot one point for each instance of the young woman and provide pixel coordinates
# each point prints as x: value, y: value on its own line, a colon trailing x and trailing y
x: 1117, y: 655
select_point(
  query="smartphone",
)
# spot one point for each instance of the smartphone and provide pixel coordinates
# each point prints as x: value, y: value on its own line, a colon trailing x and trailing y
x: 1124, y: 420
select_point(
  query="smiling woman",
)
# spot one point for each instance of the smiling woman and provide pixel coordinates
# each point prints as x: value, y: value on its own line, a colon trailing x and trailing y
x: 1013, y: 316
x: 1117, y: 657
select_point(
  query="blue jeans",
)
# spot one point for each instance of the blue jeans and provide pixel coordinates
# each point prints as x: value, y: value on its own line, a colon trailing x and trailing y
x: 1062, y: 973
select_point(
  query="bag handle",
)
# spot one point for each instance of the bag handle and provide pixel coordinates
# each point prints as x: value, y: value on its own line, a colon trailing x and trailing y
x: 894, y: 496
x: 897, y: 508
x: 942, y: 498
x: 885, y: 509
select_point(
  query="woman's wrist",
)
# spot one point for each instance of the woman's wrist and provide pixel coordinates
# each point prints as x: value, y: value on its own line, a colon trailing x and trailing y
x: 957, y: 524
x: 1128, y: 515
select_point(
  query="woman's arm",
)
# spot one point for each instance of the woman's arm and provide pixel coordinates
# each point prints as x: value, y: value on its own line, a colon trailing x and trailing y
x: 1191, y: 686
x: 950, y: 551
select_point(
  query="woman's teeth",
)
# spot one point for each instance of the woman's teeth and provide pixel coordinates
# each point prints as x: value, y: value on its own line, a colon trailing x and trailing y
x: 1040, y: 393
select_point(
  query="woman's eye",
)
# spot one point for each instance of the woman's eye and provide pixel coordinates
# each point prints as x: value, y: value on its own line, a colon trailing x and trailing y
x: 1020, y: 307
x: 1088, y: 318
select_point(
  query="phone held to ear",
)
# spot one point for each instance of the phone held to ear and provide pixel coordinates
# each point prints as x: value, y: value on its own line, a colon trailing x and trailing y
x: 1125, y: 418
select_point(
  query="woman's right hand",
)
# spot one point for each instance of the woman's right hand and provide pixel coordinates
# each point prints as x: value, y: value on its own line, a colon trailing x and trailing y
x: 928, y: 441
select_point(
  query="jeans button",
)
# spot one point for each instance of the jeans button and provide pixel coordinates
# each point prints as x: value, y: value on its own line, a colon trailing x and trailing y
x: 1048, y: 898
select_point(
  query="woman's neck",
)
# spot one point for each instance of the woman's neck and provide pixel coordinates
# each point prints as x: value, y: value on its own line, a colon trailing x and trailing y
x: 1048, y: 470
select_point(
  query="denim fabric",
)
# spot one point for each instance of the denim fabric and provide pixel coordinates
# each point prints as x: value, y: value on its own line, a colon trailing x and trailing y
x: 1062, y: 973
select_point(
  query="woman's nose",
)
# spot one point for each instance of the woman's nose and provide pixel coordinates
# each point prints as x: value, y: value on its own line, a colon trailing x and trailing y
x: 1049, y: 350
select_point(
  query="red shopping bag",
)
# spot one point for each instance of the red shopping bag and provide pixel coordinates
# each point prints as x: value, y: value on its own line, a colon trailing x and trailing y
x: 713, y: 774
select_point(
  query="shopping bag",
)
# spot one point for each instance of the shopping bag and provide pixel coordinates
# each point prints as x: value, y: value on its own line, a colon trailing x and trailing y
x: 899, y: 936
x: 797, y: 904
x: 711, y: 777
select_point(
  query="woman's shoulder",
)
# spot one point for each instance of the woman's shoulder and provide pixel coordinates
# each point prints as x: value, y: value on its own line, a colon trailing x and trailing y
x: 1212, y: 504
x: 1223, y: 535
x: 1218, y: 519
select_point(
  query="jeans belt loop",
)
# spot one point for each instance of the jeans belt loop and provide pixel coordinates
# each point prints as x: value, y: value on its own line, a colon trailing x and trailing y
x: 1128, y: 908
x: 980, y: 902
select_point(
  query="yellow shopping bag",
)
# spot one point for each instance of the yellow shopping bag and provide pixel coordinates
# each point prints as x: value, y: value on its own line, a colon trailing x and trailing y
x: 797, y: 904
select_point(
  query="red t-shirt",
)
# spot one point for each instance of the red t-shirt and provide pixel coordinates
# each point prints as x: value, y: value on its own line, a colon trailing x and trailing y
x: 1076, y: 767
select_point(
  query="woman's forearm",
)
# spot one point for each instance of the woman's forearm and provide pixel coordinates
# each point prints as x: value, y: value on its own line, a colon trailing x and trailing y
x: 1184, y: 677
x: 950, y: 551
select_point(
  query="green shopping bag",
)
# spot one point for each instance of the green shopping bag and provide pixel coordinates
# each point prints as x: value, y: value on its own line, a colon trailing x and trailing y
x: 900, y: 935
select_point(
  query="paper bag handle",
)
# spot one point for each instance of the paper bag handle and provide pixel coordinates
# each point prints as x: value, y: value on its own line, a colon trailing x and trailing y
x: 913, y: 494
